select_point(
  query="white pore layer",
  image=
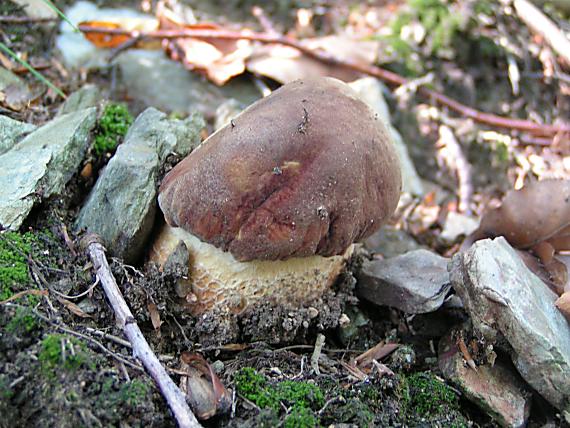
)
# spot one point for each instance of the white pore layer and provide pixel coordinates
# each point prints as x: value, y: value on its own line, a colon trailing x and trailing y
x: 217, y: 279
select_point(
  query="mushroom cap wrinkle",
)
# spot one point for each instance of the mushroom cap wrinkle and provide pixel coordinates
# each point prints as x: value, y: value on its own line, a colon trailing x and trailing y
x: 308, y: 170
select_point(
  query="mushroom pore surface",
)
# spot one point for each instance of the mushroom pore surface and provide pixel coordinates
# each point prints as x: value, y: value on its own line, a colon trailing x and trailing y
x: 307, y: 170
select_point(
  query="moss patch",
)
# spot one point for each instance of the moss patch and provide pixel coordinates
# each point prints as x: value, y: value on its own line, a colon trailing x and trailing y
x: 61, y: 351
x: 424, y: 397
x: 301, y: 398
x: 15, y: 249
x: 112, y: 127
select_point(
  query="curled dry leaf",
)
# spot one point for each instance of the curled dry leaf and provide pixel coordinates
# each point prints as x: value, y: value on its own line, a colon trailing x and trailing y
x: 285, y: 64
x: 154, y: 315
x: 218, y: 59
x: 205, y: 392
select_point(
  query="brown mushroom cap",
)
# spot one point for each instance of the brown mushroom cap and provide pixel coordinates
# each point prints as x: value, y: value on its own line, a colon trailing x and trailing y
x: 307, y: 170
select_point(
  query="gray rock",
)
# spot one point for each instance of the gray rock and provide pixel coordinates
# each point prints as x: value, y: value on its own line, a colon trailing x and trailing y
x: 371, y: 92
x: 226, y: 112
x: 12, y: 131
x: 41, y: 164
x: 505, y: 299
x: 390, y: 242
x: 416, y: 282
x: 88, y: 96
x: 457, y: 225
x: 498, y: 390
x: 122, y: 205
x: 8, y: 78
x: 149, y: 76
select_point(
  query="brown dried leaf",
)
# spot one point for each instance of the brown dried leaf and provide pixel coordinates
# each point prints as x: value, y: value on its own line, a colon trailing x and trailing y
x: 107, y: 41
x: 563, y: 304
x: 218, y: 59
x: 377, y: 352
x: 73, y: 308
x: 285, y: 64
x: 154, y: 315
x: 205, y: 392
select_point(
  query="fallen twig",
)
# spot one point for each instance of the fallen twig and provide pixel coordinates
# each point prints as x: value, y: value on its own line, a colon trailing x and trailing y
x: 32, y: 292
x: 540, y: 24
x: 319, y: 343
x: 372, y: 70
x: 24, y: 20
x: 141, y: 348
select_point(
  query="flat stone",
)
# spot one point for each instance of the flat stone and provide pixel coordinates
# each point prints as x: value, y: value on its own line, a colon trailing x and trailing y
x: 371, y: 91
x: 41, y: 164
x: 457, y: 225
x: 88, y: 95
x: 506, y: 300
x: 416, y: 282
x: 8, y: 78
x: 121, y: 207
x: 154, y: 79
x: 12, y: 131
x: 498, y: 390
x: 390, y: 242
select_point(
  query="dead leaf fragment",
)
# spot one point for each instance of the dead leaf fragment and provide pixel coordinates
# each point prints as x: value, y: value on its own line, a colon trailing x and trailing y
x: 73, y: 308
x: 205, y: 392
x: 285, y: 64
x: 563, y: 304
x: 109, y: 41
x: 154, y: 315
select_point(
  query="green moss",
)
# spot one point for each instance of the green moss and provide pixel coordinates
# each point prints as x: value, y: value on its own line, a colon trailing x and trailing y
x: 303, y: 398
x: 15, y: 248
x: 23, y: 321
x: 60, y: 351
x: 423, y: 396
x: 112, y: 127
x: 300, y: 417
x: 446, y: 33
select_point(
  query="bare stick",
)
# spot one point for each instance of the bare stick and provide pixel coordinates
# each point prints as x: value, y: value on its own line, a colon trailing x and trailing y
x: 372, y: 70
x: 24, y: 20
x: 319, y: 343
x: 540, y: 24
x: 141, y: 348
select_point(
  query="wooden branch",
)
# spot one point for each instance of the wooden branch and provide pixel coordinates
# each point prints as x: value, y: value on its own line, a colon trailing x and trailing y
x: 372, y: 70
x: 540, y: 24
x: 24, y: 20
x: 141, y: 349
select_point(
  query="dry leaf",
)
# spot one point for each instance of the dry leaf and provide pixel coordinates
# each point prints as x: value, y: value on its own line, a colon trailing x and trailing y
x: 377, y: 352
x: 218, y: 59
x: 563, y: 304
x: 73, y: 308
x: 106, y: 41
x: 154, y: 315
x: 285, y: 64
x: 205, y: 392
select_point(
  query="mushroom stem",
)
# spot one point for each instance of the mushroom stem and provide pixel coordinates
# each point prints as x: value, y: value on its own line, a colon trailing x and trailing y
x: 217, y: 280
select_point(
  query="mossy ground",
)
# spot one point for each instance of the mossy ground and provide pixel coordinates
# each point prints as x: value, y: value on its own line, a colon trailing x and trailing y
x: 111, y: 128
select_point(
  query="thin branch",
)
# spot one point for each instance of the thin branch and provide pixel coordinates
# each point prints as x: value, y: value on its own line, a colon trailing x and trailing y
x: 372, y: 70
x: 24, y: 20
x: 141, y: 348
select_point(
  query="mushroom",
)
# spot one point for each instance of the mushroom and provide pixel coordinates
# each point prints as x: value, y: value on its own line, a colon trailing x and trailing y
x: 270, y: 205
